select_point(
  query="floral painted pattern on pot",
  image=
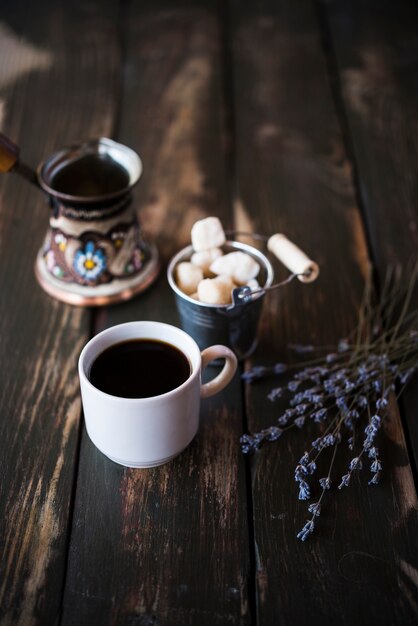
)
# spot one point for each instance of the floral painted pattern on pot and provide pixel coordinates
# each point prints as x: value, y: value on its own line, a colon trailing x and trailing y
x: 90, y: 261
x: 95, y: 258
x: 52, y: 265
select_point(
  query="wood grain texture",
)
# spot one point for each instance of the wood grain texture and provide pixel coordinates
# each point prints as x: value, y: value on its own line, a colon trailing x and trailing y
x: 167, y: 545
x: 173, y: 546
x: 376, y: 61
x: 55, y: 88
x: 293, y: 176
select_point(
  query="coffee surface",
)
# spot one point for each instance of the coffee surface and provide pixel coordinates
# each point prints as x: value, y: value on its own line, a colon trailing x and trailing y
x: 91, y: 175
x: 139, y: 368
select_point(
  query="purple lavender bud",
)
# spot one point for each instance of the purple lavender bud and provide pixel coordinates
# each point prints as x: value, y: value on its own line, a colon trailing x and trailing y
x: 275, y: 394
x: 329, y: 386
x: 375, y: 479
x: 349, y: 386
x: 273, y: 433
x: 301, y: 349
x: 304, y: 460
x: 301, y: 408
x: 317, y: 443
x: 343, y: 345
x: 348, y: 423
x: 315, y: 509
x: 293, y: 385
x: 355, y: 463
x: 283, y: 420
x: 306, y: 531
x: 360, y: 381
x: 300, y: 421
x: 381, y: 404
x: 406, y: 376
x: 301, y: 375
x: 341, y: 374
x: 311, y: 467
x: 362, y: 402
x: 373, y: 452
x: 370, y: 430
x: 368, y: 442
x: 325, y: 483
x: 317, y: 398
x: 330, y: 358
x: 353, y: 414
x: 376, y: 466
x: 304, y: 491
x: 341, y: 403
x: 345, y: 481
x: 297, y: 399
x: 351, y: 443
x: 328, y: 440
x: 259, y: 437
x: 279, y: 368
x: 376, y: 421
x: 256, y: 372
x: 320, y: 415
x: 377, y: 385
x: 300, y: 472
x: 248, y: 444
x: 336, y: 391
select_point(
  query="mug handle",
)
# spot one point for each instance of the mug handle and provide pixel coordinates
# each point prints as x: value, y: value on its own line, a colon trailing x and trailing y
x: 226, y: 374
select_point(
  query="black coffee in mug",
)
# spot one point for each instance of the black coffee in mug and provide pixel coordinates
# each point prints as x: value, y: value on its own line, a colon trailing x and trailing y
x: 139, y: 368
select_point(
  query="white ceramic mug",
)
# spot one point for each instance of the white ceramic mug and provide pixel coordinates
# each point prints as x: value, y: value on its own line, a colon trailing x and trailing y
x: 146, y: 432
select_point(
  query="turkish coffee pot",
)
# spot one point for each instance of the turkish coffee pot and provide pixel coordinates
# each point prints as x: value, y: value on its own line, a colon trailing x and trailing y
x: 94, y: 252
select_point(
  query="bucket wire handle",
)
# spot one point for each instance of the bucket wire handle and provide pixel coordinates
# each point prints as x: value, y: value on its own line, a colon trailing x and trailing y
x: 290, y: 255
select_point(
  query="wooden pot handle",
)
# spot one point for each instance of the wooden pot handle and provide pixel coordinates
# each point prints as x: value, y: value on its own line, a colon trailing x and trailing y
x: 9, y: 161
x: 9, y: 154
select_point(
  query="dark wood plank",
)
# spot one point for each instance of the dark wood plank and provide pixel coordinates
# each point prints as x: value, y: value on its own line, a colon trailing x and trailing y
x: 376, y: 63
x: 57, y: 85
x: 293, y: 176
x: 167, y: 545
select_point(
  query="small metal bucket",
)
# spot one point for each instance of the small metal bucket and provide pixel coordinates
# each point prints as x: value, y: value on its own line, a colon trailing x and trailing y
x: 233, y: 326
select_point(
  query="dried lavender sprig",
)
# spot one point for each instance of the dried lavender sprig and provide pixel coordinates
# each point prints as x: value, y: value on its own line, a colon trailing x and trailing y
x: 258, y: 372
x: 363, y: 383
x: 362, y: 376
x: 253, y: 442
x: 261, y: 371
x: 315, y: 507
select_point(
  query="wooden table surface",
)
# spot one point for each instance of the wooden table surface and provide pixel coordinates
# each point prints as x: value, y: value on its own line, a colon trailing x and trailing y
x: 295, y: 117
